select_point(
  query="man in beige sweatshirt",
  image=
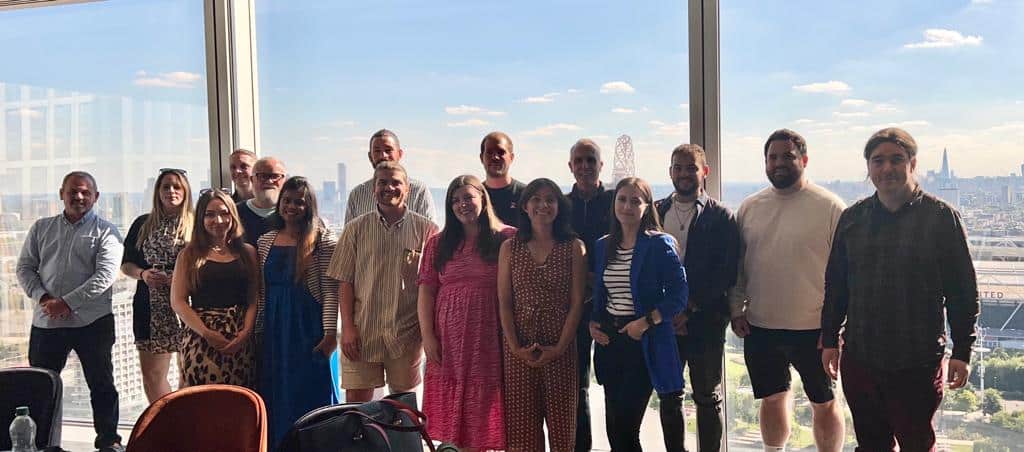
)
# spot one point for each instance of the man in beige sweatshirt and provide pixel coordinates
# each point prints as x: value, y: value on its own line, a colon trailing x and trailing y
x: 786, y: 231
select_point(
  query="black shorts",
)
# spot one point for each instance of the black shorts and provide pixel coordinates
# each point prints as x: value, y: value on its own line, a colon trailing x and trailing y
x: 769, y: 353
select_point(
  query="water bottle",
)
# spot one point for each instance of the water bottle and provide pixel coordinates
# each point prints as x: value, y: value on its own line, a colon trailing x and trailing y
x: 23, y: 431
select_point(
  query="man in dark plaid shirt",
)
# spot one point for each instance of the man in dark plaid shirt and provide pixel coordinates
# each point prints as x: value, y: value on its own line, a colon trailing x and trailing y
x: 899, y: 266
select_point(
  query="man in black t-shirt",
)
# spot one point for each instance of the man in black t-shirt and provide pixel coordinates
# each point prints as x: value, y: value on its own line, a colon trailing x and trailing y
x: 496, y: 155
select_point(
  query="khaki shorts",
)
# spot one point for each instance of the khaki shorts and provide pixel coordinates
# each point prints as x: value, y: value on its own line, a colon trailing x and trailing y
x: 403, y: 372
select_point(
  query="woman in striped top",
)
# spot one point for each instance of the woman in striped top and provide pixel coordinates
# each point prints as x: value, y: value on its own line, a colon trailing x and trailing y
x: 639, y: 284
x: 298, y: 309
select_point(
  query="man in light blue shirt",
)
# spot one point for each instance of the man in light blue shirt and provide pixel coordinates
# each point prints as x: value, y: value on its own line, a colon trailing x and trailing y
x: 68, y: 265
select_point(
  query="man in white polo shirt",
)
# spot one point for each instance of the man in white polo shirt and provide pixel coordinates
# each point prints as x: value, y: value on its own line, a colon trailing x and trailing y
x: 786, y: 231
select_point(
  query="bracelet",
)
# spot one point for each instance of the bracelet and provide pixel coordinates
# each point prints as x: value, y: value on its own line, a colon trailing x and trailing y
x: 649, y: 318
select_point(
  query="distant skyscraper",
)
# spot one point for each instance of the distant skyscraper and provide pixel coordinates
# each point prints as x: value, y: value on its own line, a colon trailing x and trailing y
x: 625, y: 162
x: 1022, y: 170
x: 944, y: 172
x: 950, y: 195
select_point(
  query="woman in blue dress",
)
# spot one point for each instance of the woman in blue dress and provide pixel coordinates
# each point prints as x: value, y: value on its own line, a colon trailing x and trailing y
x: 297, y: 310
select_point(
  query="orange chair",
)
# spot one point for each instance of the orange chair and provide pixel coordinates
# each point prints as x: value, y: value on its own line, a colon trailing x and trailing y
x: 214, y: 418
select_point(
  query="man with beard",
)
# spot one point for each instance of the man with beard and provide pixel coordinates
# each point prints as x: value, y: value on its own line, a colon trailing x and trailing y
x: 377, y: 261
x: 268, y: 178
x: 786, y: 232
x: 899, y: 266
x: 496, y: 155
x: 708, y: 240
x: 242, y: 163
x: 385, y: 147
x: 591, y: 210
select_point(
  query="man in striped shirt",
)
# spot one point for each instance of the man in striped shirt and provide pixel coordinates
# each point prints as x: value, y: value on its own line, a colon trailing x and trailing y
x: 377, y: 261
x: 385, y: 147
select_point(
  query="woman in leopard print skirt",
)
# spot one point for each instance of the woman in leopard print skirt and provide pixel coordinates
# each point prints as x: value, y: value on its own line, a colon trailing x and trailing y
x: 150, y: 249
x: 214, y: 292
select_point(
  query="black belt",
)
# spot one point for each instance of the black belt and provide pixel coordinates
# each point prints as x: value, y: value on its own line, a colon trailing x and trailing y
x: 616, y: 323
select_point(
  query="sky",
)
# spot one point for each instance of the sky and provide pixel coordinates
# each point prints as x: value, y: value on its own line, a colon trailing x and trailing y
x: 443, y: 74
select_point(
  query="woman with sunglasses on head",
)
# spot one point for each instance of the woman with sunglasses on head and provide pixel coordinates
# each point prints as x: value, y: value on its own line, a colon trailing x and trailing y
x: 150, y: 249
x: 639, y: 286
x: 541, y: 276
x: 298, y: 309
x: 214, y: 293
x: 458, y: 312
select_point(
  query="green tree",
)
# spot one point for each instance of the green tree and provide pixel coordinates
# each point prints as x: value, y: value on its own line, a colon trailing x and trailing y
x: 963, y: 399
x: 991, y: 401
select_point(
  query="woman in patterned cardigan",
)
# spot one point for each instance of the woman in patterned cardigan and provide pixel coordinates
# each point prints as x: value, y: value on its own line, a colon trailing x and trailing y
x: 297, y: 309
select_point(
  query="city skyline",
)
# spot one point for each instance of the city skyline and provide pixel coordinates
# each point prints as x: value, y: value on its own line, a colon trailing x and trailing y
x: 943, y: 72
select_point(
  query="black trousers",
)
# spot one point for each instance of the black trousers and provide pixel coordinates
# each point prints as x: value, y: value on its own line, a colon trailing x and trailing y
x: 702, y: 350
x: 627, y: 389
x: 49, y: 348
x: 584, y: 439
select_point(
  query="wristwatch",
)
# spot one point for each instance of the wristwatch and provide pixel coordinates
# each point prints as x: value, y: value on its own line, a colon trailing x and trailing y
x: 649, y: 318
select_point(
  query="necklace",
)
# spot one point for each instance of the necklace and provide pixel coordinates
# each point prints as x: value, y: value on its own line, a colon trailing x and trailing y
x: 218, y: 249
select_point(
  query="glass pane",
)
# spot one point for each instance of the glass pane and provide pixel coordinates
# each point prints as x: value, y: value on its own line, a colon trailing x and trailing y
x: 442, y: 75
x: 944, y: 72
x: 114, y: 88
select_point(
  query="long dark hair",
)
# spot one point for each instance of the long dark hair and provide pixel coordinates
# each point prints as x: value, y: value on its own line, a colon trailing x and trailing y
x: 194, y: 254
x: 562, y: 227
x: 309, y: 226
x: 648, y: 222
x: 453, y: 235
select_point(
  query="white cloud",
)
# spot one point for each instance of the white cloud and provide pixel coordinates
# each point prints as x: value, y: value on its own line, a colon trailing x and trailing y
x: 980, y: 2
x: 684, y: 106
x: 887, y: 108
x: 1008, y: 127
x: 177, y: 79
x: 341, y: 123
x: 829, y: 87
x: 551, y: 129
x: 623, y: 110
x: 617, y: 87
x: 903, y: 124
x: 573, y: 91
x: 474, y: 122
x: 545, y: 99
x: 354, y: 139
x: 471, y: 110
x: 804, y: 121
x: 672, y: 129
x: 322, y: 139
x: 854, y: 103
x: 851, y: 114
x: 941, y: 38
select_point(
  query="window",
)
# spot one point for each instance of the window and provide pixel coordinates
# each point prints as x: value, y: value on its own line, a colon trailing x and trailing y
x: 838, y: 72
x: 443, y: 75
x: 115, y: 88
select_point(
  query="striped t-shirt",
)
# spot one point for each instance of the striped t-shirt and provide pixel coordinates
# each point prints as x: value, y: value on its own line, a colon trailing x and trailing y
x: 616, y: 281
x: 381, y: 261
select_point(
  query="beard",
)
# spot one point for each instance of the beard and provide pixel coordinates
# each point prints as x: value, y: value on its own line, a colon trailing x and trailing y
x: 684, y: 190
x: 782, y: 181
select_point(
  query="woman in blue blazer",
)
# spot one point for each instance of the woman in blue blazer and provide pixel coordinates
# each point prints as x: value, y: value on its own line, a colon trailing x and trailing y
x: 639, y: 286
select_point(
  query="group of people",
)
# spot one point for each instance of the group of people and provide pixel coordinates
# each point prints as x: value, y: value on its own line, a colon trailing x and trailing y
x: 507, y: 301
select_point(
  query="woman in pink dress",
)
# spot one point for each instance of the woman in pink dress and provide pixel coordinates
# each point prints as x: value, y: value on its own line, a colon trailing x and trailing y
x: 458, y: 310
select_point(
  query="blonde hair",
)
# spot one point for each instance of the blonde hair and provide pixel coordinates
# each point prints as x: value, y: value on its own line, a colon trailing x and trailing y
x: 186, y: 215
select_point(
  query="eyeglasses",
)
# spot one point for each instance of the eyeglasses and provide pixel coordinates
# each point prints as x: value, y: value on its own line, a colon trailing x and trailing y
x: 207, y: 191
x: 269, y: 177
x: 173, y: 170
